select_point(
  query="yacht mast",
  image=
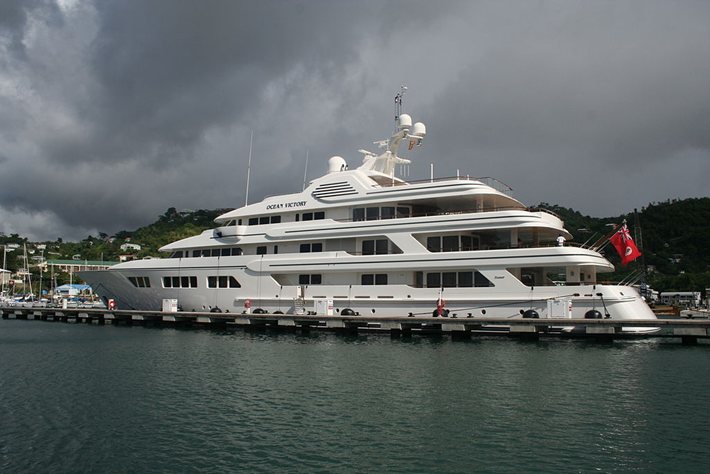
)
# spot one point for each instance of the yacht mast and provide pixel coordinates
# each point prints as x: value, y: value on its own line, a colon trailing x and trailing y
x: 251, y: 140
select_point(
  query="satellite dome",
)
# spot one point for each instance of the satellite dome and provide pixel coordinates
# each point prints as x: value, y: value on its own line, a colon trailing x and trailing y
x: 336, y: 164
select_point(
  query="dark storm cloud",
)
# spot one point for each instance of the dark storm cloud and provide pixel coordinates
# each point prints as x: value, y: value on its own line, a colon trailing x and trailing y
x: 168, y: 71
x: 14, y: 16
x: 112, y: 111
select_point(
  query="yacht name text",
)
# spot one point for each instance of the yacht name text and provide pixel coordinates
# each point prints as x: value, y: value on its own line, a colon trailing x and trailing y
x: 286, y: 204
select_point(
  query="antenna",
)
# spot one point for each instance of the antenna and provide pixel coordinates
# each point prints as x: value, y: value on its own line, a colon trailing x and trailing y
x: 398, y: 102
x: 251, y: 140
x: 305, y: 171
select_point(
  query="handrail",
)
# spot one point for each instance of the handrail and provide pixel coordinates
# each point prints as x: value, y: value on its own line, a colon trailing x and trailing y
x: 494, y: 183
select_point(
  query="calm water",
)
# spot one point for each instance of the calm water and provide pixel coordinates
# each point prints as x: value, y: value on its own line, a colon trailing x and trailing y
x: 80, y: 398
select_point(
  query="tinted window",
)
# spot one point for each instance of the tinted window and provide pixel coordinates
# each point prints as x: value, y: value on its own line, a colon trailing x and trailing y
x: 381, y: 246
x: 480, y: 280
x: 448, y: 279
x: 433, y: 280
x: 253, y: 220
x: 368, y: 247
x: 451, y: 243
x: 387, y: 212
x: 465, y: 279
x: 381, y: 279
x: 275, y: 219
x: 359, y: 214
x: 433, y: 244
x: 368, y: 279
x: 319, y: 215
x: 373, y: 213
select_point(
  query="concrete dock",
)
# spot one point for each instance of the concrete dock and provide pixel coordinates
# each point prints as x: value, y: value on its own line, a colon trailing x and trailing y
x: 688, y: 331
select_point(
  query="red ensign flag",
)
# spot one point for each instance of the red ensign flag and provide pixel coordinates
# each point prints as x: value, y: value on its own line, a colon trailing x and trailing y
x: 624, y: 244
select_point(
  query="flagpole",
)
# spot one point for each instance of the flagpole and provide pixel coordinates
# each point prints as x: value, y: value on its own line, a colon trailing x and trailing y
x: 604, y: 240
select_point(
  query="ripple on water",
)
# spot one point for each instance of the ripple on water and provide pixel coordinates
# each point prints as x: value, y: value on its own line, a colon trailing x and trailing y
x: 121, y: 399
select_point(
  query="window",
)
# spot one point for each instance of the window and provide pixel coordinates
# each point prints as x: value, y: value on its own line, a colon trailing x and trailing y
x: 253, y: 220
x: 261, y: 250
x: 479, y: 280
x: 403, y: 212
x: 226, y: 252
x: 375, y: 247
x: 180, y: 282
x: 368, y: 247
x: 374, y: 279
x: 309, y: 279
x: 381, y: 246
x: 433, y: 280
x: 177, y: 254
x: 215, y: 252
x: 465, y: 279
x: 359, y: 214
x: 453, y: 280
x: 307, y: 216
x: 448, y: 279
x: 319, y: 215
x: 236, y: 251
x: 140, y: 282
x: 222, y: 281
x: 275, y: 219
x: 314, y: 247
x: 450, y: 243
x: 264, y: 220
x: 372, y: 213
x: 433, y: 244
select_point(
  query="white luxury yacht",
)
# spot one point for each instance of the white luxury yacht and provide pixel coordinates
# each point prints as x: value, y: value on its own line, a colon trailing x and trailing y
x: 363, y: 241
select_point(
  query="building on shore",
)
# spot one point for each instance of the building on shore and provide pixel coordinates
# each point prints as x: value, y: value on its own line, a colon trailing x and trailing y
x: 685, y: 299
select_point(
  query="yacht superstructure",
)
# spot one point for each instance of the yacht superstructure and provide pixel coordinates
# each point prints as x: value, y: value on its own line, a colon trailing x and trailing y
x: 368, y: 242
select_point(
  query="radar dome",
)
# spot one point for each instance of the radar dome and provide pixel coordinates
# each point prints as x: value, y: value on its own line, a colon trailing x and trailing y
x: 419, y: 130
x: 336, y: 164
x: 404, y: 121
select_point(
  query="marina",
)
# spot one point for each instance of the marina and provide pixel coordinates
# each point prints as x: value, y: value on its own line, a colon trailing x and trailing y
x: 688, y: 331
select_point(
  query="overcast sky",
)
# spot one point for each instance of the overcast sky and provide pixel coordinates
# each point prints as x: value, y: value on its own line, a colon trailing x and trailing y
x: 113, y: 111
